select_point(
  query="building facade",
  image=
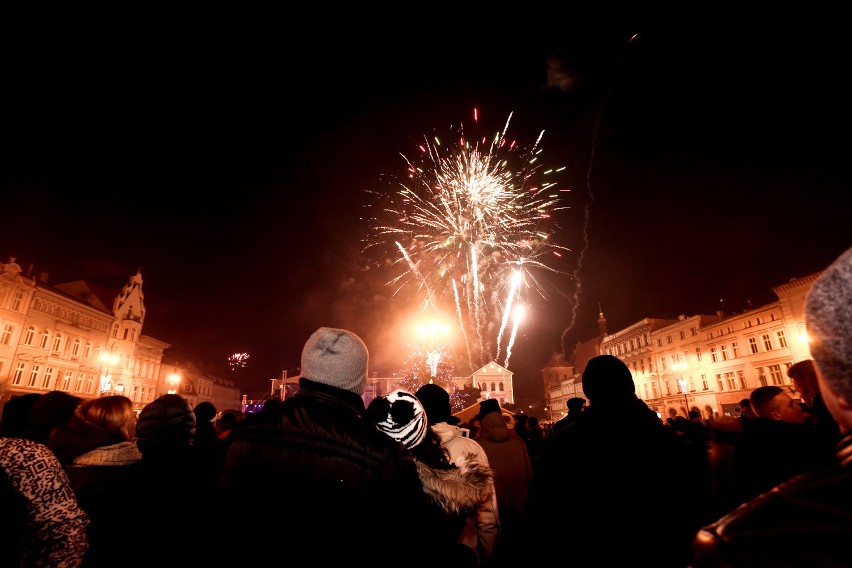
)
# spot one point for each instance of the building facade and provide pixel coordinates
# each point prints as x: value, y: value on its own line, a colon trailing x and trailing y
x: 703, y: 362
x: 81, y: 339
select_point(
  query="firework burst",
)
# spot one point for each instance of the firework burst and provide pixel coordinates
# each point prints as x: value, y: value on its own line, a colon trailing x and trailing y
x: 468, y: 231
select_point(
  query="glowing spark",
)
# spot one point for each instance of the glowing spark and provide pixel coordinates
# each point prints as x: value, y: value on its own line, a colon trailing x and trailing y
x: 471, y: 220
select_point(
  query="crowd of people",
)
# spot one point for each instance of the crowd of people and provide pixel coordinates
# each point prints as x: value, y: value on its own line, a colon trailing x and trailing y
x: 319, y: 476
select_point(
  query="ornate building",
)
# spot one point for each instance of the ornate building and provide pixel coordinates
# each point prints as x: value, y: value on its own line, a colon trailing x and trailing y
x: 65, y: 337
x: 703, y: 362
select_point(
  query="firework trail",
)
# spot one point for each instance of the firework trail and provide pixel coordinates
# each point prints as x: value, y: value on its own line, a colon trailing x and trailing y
x: 467, y: 228
x: 575, y: 304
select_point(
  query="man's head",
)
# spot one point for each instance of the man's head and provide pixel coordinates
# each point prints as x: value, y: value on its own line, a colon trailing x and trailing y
x: 576, y: 404
x: 336, y: 357
x: 774, y: 403
x: 828, y: 318
x: 606, y: 378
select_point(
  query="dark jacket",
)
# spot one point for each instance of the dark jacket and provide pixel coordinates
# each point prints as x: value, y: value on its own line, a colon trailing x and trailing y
x: 769, y: 452
x: 802, y: 522
x: 320, y: 481
x: 613, y: 469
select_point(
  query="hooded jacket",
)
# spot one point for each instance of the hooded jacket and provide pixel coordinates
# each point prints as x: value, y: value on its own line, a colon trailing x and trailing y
x: 483, y: 528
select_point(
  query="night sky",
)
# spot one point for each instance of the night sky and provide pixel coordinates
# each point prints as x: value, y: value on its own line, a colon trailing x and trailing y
x: 229, y: 160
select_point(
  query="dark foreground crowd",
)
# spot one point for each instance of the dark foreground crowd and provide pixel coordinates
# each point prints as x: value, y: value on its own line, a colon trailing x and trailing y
x: 319, y: 479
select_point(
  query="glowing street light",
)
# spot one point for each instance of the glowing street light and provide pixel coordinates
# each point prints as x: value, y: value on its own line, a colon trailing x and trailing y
x: 107, y: 359
x: 174, y: 383
x: 680, y: 366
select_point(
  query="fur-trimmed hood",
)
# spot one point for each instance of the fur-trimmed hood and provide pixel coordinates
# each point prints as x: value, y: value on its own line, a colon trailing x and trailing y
x: 460, y: 490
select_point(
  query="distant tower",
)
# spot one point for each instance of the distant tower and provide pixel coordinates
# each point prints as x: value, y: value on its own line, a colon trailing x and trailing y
x: 601, y: 321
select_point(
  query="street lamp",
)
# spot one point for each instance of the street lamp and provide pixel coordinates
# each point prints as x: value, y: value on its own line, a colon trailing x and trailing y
x: 174, y: 383
x: 680, y: 366
x: 107, y: 359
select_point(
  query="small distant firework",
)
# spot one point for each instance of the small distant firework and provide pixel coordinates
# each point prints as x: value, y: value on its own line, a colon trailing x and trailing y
x: 468, y: 230
x: 238, y: 361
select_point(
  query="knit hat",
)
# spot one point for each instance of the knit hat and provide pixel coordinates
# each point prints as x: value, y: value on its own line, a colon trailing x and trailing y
x: 607, y: 378
x: 488, y: 405
x: 436, y: 402
x: 336, y: 357
x: 828, y: 318
x: 401, y: 416
x: 167, y: 422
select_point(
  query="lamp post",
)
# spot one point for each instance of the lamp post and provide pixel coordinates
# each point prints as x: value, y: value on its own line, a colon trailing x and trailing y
x: 680, y: 366
x: 107, y: 359
x: 174, y: 383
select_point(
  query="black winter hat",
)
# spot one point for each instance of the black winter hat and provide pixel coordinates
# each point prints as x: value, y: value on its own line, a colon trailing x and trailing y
x: 488, y: 406
x: 436, y: 402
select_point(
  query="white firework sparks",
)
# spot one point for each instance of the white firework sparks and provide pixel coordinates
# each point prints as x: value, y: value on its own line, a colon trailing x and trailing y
x: 468, y: 230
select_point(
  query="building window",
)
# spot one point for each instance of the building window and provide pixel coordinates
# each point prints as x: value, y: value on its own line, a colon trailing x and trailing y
x: 45, y: 337
x: 663, y: 360
x: 87, y: 352
x: 693, y: 331
x: 775, y: 373
x: 782, y: 338
x: 75, y: 349
x: 719, y: 383
x: 34, y: 375
x: 752, y: 344
x: 698, y: 354
x: 19, y: 374
x: 724, y: 352
x: 761, y: 377
x: 735, y: 348
x: 17, y: 300
x: 29, y: 337
x: 682, y: 334
x: 730, y: 381
x: 714, y: 357
x: 6, y: 336
x: 48, y: 378
x: 90, y: 384
x: 741, y: 379
x: 57, y: 342
x: 767, y: 343
x: 66, y: 381
x: 704, y: 384
x: 668, y: 339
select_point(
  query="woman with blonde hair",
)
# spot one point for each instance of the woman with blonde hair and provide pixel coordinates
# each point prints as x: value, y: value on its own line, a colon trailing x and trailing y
x: 97, y: 448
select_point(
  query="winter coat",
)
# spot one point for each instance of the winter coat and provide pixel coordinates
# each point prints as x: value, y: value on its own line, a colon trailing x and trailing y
x: 41, y: 522
x: 510, y: 461
x: 455, y: 495
x: 610, y: 470
x: 103, y: 470
x: 483, y: 529
x: 318, y: 480
x: 802, y: 522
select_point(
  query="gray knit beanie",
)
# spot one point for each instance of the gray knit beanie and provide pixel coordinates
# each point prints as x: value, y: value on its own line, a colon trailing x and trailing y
x: 828, y: 317
x: 336, y: 357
